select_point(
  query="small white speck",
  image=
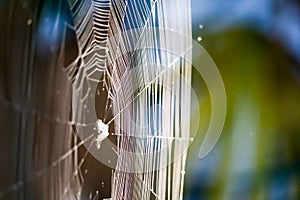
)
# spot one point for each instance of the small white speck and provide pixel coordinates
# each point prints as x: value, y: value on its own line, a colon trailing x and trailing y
x: 201, y: 26
x: 29, y: 22
x: 199, y: 39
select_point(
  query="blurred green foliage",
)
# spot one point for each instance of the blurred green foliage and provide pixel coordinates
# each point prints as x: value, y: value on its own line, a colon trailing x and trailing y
x: 258, y: 153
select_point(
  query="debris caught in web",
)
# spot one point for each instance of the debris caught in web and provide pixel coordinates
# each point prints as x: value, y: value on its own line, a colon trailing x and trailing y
x: 102, y: 130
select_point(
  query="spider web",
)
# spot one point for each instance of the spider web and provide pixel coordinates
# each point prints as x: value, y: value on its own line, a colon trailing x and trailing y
x: 95, y: 21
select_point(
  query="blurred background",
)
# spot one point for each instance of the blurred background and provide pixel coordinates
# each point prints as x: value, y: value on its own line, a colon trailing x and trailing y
x: 256, y: 46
